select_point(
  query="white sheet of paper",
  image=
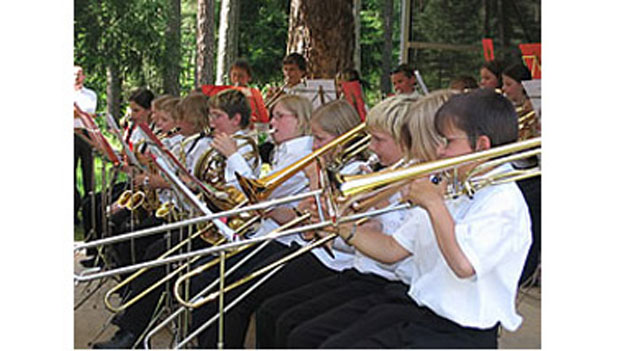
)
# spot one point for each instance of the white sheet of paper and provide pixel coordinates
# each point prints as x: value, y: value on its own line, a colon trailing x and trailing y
x: 533, y: 89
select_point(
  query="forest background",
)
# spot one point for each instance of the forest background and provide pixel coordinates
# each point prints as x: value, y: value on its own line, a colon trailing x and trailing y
x: 165, y: 44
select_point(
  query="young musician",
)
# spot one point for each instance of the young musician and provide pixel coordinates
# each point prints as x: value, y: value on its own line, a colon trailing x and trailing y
x: 294, y: 70
x: 191, y: 115
x: 491, y: 74
x: 163, y: 110
x: 229, y: 118
x: 466, y: 261
x: 399, y: 127
x: 403, y: 81
x: 140, y: 105
x: 338, y: 117
x: 463, y: 83
x: 290, y: 118
x: 240, y: 73
x: 513, y: 76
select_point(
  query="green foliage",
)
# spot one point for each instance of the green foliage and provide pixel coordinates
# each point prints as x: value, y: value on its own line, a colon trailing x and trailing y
x: 262, y: 38
x: 128, y: 34
x: 449, y: 22
x: 461, y: 22
x: 131, y: 34
x: 372, y: 46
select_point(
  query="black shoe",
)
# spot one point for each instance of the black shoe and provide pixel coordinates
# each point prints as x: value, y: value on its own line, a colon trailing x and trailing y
x: 123, y: 339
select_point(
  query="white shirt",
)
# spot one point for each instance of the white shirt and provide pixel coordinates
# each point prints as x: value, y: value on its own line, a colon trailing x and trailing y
x: 170, y: 143
x: 286, y: 154
x: 493, y: 230
x: 86, y: 100
x: 193, y: 150
x: 398, y: 271
x: 236, y: 163
x: 414, y: 95
x: 343, y: 254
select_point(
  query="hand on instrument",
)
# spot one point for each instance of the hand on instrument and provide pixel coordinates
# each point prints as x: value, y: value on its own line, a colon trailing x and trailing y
x: 424, y: 192
x: 312, y: 173
x: 224, y: 144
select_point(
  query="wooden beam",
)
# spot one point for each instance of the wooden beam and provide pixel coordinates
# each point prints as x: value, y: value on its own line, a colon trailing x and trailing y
x: 442, y: 46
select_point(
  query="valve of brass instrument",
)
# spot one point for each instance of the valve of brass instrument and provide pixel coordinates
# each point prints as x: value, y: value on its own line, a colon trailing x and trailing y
x: 124, y: 199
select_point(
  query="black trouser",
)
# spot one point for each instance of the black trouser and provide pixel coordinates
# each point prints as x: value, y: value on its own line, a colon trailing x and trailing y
x: 137, y: 317
x: 389, y: 319
x: 204, y: 313
x: 82, y: 151
x: 87, y: 220
x: 311, y: 333
x: 302, y: 270
x: 280, y: 314
x: 531, y: 191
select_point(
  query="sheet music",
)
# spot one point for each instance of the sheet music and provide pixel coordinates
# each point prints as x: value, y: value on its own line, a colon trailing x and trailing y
x: 322, y: 91
x: 117, y: 132
x: 533, y: 89
x: 317, y: 91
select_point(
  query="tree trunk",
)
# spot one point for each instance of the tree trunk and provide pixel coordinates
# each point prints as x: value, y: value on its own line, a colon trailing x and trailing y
x: 386, y: 67
x: 172, y: 56
x: 357, y: 22
x: 113, y: 90
x: 205, y: 42
x: 227, y: 40
x: 323, y: 34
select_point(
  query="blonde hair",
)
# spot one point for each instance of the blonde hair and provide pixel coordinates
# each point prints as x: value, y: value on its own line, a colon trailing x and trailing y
x: 300, y: 107
x: 336, y: 117
x: 159, y: 101
x: 419, y: 138
x: 389, y: 115
x: 171, y: 106
x: 194, y: 108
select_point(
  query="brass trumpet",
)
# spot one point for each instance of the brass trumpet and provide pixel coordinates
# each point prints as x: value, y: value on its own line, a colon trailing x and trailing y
x: 270, y: 99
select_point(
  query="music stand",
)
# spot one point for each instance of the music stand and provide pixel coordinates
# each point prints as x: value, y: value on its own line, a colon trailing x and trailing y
x: 96, y: 138
x: 321, y: 91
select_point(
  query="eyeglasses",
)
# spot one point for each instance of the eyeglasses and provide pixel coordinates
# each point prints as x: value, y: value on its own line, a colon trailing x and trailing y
x: 445, y: 141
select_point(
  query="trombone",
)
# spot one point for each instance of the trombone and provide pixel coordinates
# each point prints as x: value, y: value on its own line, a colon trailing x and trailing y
x: 364, y: 183
x: 256, y: 190
x: 259, y: 189
x: 351, y: 186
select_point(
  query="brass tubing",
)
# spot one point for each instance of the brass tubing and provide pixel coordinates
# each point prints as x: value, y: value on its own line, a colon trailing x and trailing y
x: 353, y: 185
x: 259, y: 189
x: 198, y: 270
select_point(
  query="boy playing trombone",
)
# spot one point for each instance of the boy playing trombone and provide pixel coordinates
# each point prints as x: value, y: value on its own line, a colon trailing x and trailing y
x: 467, y: 253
